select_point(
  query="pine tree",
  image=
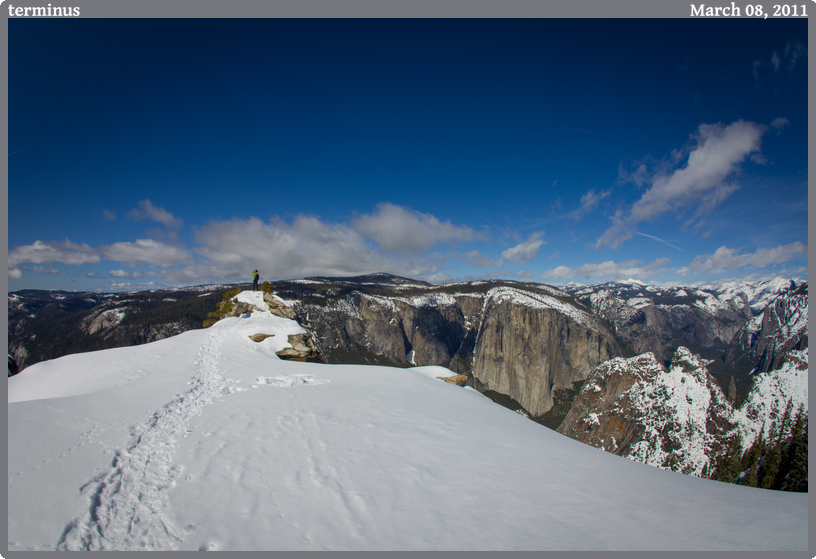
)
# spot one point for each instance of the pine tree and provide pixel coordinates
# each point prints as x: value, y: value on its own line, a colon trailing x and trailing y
x: 750, y: 479
x: 752, y: 461
x: 728, y: 465
x: 770, y: 467
x: 796, y: 475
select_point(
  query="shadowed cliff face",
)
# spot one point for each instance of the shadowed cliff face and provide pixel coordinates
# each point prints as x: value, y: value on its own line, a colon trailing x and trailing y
x: 528, y: 352
x: 520, y: 341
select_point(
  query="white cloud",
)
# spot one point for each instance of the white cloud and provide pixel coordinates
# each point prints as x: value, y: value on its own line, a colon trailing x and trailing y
x: 607, y: 270
x: 121, y: 274
x: 108, y: 215
x: 46, y: 252
x: 701, y: 185
x: 147, y: 210
x: 405, y: 231
x: 147, y: 251
x: 526, y: 251
x: 725, y: 258
x: 306, y: 247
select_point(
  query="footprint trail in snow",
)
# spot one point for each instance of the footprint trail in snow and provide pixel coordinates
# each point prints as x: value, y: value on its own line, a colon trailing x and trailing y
x: 126, y: 502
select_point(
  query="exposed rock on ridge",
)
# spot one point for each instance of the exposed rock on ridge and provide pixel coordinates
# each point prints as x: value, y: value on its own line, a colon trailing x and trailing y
x: 675, y: 419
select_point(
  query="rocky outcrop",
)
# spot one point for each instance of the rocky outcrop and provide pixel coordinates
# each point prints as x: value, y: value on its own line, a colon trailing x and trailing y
x: 530, y: 345
x: 458, y: 380
x: 239, y: 308
x: 303, y: 349
x: 278, y: 307
x: 260, y: 337
x: 767, y: 338
x: 156, y: 332
x: 105, y: 319
x: 676, y: 419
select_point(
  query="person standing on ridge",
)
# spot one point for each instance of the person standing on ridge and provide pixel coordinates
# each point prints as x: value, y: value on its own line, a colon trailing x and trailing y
x: 255, y: 277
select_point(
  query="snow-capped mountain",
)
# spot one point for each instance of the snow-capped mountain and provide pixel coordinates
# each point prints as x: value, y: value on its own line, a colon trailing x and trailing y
x: 208, y: 441
x: 739, y: 326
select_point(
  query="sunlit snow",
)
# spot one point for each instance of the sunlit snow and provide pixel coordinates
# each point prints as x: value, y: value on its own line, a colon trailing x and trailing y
x: 208, y: 441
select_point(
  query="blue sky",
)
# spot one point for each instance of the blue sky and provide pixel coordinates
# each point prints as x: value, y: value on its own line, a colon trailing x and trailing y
x: 151, y: 153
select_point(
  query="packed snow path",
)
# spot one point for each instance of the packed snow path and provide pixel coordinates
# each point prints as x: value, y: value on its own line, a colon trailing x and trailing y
x: 127, y: 502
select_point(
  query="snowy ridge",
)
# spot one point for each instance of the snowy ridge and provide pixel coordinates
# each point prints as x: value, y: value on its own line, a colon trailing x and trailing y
x: 610, y: 307
x: 675, y: 408
x: 538, y: 301
x: 756, y: 294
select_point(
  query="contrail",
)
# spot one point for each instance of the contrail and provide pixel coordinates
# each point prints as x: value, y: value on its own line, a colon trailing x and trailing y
x: 657, y: 239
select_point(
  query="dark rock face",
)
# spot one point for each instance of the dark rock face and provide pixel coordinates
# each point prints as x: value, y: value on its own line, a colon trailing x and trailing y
x: 520, y: 340
x: 765, y: 339
x: 527, y: 352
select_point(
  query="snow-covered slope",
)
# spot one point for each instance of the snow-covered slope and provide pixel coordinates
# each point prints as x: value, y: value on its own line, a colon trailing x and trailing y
x: 208, y: 441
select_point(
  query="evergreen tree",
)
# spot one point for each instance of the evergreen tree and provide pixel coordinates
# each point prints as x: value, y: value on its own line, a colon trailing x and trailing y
x: 750, y: 478
x: 770, y: 466
x: 728, y: 465
x: 796, y: 477
x: 752, y: 461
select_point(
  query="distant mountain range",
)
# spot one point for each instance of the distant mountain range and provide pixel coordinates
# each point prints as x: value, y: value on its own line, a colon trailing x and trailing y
x: 564, y: 357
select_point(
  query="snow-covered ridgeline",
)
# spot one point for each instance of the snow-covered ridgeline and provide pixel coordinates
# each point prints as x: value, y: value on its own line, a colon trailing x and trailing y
x: 684, y: 397
x: 756, y: 294
x: 540, y: 301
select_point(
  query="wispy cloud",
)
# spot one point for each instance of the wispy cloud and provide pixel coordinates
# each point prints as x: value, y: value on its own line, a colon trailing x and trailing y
x: 779, y: 123
x: 725, y: 258
x: 717, y: 152
x: 589, y: 202
x: 526, y: 251
x: 147, y: 211
x: 794, y: 51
